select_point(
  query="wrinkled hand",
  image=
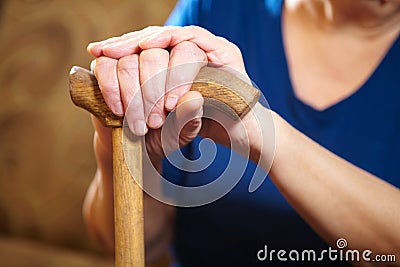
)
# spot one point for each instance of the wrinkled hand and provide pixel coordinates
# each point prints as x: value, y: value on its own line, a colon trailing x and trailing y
x: 133, y: 76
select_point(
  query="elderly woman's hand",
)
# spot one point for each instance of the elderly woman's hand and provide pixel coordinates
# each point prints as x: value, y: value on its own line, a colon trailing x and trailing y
x: 145, y: 74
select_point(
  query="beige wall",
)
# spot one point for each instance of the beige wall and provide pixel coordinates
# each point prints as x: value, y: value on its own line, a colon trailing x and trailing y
x: 46, y: 158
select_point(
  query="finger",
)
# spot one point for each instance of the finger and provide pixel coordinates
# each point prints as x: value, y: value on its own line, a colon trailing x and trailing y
x: 128, y: 45
x: 219, y: 50
x: 96, y: 48
x: 105, y: 71
x: 103, y: 132
x: 128, y: 78
x: 188, y: 116
x: 185, y: 61
x: 92, y: 65
x: 117, y: 47
x: 153, y: 64
x: 183, y: 125
x: 102, y: 145
x: 171, y: 36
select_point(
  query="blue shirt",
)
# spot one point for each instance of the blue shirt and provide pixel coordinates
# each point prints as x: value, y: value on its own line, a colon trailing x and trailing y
x: 364, y: 129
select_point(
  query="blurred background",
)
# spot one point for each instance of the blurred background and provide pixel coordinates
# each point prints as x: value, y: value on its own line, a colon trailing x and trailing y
x: 46, y: 156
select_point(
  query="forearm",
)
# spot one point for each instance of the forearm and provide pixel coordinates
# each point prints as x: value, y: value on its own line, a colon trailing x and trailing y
x: 98, y: 208
x: 335, y: 197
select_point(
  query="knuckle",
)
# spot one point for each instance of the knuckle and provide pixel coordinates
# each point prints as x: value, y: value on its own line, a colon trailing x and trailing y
x: 190, y: 50
x: 223, y: 39
x: 109, y: 88
x: 149, y: 30
x: 227, y: 53
x: 235, y: 49
x: 195, y: 28
x: 128, y: 65
x: 155, y: 55
x: 102, y: 68
x: 101, y: 62
x: 103, y: 65
x: 232, y: 46
x: 186, y: 45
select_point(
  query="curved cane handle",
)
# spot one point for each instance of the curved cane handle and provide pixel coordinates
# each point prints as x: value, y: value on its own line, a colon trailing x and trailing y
x: 219, y: 88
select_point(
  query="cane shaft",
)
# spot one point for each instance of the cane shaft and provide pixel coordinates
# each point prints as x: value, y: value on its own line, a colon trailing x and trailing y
x: 128, y: 201
x: 219, y: 88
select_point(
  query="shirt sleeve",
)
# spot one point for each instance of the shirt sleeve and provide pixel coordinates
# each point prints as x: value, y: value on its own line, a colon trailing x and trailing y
x: 186, y: 12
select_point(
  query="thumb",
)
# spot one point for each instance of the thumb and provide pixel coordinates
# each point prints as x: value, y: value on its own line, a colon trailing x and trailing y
x: 188, y: 116
x: 183, y: 125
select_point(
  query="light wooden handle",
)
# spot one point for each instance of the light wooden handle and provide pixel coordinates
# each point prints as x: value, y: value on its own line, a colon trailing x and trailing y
x: 219, y: 89
x: 128, y: 195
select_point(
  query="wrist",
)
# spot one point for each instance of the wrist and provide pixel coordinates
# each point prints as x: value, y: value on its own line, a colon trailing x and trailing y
x: 103, y: 154
x: 284, y: 142
x: 263, y: 136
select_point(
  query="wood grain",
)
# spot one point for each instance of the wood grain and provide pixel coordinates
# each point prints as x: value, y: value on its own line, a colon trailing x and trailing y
x: 220, y: 89
x: 226, y: 92
x: 85, y: 93
x: 128, y: 199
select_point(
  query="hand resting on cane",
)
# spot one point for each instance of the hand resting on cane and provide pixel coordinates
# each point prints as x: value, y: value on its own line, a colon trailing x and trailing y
x: 302, y: 170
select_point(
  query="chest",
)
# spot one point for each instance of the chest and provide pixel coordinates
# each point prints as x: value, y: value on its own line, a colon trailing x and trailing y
x: 326, y: 68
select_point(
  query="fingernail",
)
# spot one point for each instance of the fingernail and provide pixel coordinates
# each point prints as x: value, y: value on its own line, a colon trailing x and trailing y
x: 171, y: 101
x: 92, y: 44
x: 140, y: 128
x: 155, y: 120
x: 118, y: 109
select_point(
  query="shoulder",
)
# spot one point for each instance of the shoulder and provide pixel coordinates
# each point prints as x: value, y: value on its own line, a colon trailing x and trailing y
x: 216, y: 13
x: 185, y: 12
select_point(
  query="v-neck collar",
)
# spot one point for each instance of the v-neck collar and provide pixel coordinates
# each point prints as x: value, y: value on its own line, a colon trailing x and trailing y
x: 387, y: 59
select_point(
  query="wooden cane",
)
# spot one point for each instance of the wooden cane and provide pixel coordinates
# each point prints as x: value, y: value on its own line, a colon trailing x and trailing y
x: 219, y: 88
